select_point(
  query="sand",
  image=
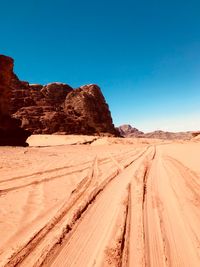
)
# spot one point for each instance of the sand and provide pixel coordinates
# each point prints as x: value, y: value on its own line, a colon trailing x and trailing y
x: 89, y: 201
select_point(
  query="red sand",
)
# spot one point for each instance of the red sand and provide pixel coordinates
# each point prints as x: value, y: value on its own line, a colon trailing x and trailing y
x: 114, y: 202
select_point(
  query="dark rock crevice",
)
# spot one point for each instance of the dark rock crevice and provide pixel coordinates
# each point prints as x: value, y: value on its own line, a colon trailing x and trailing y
x: 10, y: 131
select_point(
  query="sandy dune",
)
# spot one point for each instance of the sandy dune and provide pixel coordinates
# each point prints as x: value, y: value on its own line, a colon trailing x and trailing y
x: 87, y: 201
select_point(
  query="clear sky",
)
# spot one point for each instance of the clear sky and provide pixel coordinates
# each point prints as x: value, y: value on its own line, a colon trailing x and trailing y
x: 145, y: 55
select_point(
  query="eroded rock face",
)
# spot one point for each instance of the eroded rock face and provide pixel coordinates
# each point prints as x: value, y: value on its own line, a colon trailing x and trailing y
x: 58, y: 108
x: 6, y: 67
x: 10, y: 131
x: 87, y: 106
x: 55, y: 93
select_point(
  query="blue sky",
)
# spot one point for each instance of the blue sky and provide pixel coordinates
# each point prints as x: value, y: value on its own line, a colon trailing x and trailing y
x: 145, y: 55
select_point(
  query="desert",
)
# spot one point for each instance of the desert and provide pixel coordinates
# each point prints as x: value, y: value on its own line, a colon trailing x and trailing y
x: 77, y: 191
x: 121, y: 204
x: 99, y: 133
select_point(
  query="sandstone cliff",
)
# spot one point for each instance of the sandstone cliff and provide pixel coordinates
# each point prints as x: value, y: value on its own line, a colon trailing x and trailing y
x: 58, y: 108
x: 10, y: 131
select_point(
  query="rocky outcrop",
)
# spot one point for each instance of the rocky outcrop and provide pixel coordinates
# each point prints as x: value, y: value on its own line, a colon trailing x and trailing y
x: 31, y: 95
x: 58, y: 108
x: 196, y: 134
x: 10, y: 131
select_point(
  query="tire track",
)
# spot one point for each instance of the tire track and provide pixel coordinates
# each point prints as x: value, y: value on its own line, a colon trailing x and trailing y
x: 64, y: 216
x: 190, y: 177
x: 115, y: 253
x: 37, y: 182
x: 155, y: 241
x: 138, y: 237
x: 126, y: 236
x: 168, y: 235
x: 41, y: 172
x: 71, y: 256
x: 25, y: 250
x: 44, y: 180
x: 191, y: 222
x: 62, y: 168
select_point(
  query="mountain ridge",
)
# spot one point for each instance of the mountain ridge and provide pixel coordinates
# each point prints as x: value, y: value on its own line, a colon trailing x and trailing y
x: 126, y: 130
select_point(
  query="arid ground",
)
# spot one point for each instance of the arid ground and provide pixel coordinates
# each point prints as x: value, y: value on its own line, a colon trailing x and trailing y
x: 85, y: 202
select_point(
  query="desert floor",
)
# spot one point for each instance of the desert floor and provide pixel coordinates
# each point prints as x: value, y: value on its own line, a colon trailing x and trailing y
x: 86, y: 201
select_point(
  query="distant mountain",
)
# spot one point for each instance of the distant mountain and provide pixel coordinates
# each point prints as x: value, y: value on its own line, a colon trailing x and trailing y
x: 169, y: 135
x: 129, y: 131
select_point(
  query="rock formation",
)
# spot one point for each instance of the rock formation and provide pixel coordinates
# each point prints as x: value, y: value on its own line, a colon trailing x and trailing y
x: 196, y: 134
x: 58, y: 108
x: 127, y: 130
x: 10, y: 131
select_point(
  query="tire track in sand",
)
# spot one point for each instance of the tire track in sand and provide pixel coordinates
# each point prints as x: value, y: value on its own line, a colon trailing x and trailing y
x: 115, y: 253
x: 25, y: 249
x: 81, y: 247
x: 136, y: 254
x: 22, y: 251
x: 188, y: 201
x: 168, y: 239
x: 36, y: 181
x: 56, y: 236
